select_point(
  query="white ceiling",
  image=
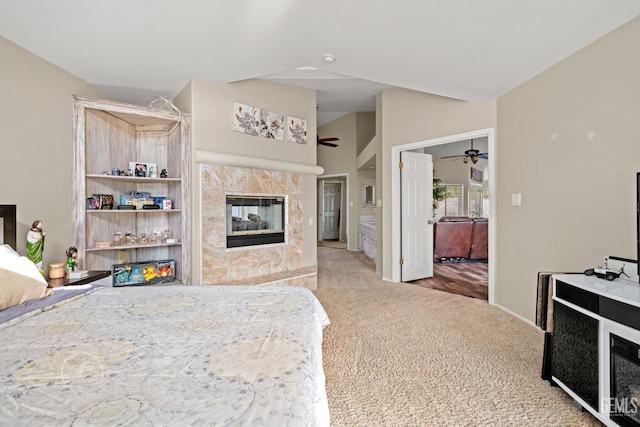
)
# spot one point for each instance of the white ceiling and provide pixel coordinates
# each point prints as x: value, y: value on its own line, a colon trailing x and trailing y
x: 466, y: 49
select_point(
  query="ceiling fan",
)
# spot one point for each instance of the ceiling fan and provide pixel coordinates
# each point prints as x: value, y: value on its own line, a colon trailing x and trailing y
x: 326, y: 141
x: 471, y: 154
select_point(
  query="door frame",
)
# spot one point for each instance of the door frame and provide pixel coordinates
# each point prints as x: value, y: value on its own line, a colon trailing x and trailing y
x: 396, y: 230
x: 344, y: 204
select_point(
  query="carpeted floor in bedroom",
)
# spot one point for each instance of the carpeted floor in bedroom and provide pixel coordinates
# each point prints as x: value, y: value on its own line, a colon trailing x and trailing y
x: 401, y: 355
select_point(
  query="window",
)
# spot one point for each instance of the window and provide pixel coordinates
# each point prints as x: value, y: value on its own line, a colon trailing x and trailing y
x: 452, y: 205
x: 478, y: 201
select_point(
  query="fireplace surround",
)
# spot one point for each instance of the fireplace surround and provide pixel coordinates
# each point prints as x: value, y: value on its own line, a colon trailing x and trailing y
x: 254, y: 264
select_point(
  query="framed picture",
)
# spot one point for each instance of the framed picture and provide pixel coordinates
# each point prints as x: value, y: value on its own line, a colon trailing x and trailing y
x: 272, y: 125
x: 143, y: 169
x: 476, y: 175
x: 297, y: 130
x: 246, y: 118
x: 93, y: 203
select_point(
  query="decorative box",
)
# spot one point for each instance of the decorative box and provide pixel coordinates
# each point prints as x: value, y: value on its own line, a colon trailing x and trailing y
x: 138, y: 202
x: 144, y: 273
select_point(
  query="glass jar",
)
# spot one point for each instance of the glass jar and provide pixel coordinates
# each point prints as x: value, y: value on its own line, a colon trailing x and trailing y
x: 153, y: 237
x: 166, y: 235
x: 117, y: 238
x: 142, y: 239
x: 130, y: 238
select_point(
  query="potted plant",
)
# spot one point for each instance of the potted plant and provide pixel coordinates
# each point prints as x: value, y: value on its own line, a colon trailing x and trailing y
x: 439, y: 194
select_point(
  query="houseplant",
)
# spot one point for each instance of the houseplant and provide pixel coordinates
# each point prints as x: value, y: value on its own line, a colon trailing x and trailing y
x: 439, y: 194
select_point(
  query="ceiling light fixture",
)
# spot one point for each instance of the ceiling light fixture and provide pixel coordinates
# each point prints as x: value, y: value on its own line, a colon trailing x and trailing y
x: 329, y: 59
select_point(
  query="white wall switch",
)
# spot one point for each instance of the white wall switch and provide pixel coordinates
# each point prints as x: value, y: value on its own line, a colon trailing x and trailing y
x: 311, y: 221
x: 516, y: 199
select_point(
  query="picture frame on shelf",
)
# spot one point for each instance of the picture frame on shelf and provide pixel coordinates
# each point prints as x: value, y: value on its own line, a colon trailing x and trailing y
x: 93, y: 203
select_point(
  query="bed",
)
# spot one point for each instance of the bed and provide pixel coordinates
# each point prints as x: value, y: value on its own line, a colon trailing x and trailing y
x: 164, y: 355
x: 168, y: 355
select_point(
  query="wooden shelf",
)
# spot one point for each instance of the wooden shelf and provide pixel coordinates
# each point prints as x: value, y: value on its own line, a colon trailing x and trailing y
x: 135, y: 179
x: 127, y: 247
x: 132, y: 211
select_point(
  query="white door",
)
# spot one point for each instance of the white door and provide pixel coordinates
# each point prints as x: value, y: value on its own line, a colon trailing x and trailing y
x: 416, y: 180
x: 331, y: 213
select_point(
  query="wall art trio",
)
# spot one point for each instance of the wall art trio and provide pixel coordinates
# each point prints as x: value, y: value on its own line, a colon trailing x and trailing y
x: 268, y: 124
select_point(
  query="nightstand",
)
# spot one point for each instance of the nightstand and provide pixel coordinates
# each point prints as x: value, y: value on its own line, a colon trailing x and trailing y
x: 92, y: 277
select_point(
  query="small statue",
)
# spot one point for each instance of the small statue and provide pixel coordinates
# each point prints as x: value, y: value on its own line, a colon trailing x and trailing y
x: 163, y: 173
x: 35, y: 244
x: 72, y: 258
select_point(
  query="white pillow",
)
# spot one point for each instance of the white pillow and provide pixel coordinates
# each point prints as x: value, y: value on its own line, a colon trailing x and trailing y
x: 12, y: 261
x: 8, y: 249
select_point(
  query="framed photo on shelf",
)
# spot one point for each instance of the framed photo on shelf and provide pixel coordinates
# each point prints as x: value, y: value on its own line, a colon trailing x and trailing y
x: 143, y: 169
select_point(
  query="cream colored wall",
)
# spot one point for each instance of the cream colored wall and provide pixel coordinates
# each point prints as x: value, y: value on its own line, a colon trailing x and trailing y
x: 211, y: 108
x: 406, y: 116
x: 341, y: 160
x: 365, y: 129
x: 568, y: 143
x: 36, y: 140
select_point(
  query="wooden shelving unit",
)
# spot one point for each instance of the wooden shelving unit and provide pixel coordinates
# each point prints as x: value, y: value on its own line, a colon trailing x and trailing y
x: 110, y: 135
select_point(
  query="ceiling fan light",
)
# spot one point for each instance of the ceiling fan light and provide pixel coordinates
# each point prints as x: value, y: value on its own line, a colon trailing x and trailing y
x: 465, y: 159
x: 475, y: 159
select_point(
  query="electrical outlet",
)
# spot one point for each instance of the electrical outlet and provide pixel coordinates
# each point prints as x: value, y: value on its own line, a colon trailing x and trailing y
x: 123, y: 256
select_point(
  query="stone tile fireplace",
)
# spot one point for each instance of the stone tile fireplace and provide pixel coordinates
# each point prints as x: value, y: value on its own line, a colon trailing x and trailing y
x: 263, y: 262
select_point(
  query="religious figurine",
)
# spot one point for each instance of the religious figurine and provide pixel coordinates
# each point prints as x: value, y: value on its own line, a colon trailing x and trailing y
x: 35, y: 244
x: 72, y: 258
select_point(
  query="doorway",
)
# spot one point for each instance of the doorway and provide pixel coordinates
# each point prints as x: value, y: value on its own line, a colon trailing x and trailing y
x: 333, y: 211
x: 331, y: 208
x: 396, y: 235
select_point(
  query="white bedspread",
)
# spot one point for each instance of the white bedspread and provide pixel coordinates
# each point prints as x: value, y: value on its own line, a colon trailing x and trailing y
x: 168, y: 355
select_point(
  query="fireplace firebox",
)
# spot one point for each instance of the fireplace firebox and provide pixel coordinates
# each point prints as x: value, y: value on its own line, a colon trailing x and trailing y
x: 255, y: 220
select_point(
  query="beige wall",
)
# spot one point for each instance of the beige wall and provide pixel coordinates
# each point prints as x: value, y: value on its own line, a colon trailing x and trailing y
x: 406, y: 116
x: 36, y: 141
x: 365, y: 130
x: 568, y: 142
x: 341, y: 160
x: 211, y: 108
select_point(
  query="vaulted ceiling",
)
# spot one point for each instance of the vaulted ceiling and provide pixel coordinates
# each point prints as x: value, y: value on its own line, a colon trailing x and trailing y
x: 466, y: 49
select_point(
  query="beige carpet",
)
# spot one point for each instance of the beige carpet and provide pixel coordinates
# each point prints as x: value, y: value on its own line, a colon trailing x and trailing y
x: 403, y: 355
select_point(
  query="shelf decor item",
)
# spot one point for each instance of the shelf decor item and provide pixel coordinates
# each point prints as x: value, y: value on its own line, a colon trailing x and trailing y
x: 142, y: 169
x: 144, y: 273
